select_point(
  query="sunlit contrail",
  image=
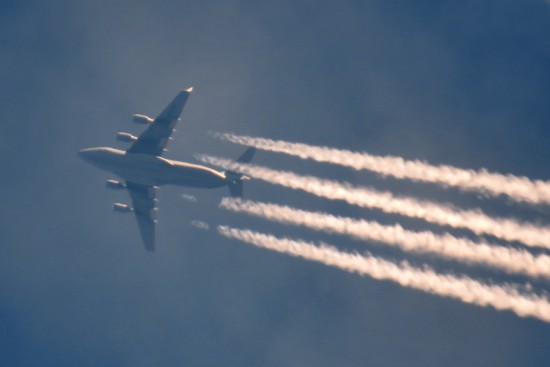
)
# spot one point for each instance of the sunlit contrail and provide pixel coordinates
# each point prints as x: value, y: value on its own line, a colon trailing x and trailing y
x: 461, y: 288
x: 461, y: 249
x: 517, y: 188
x: 475, y: 221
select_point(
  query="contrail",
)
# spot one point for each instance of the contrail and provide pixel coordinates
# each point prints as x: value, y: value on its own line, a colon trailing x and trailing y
x: 447, y: 246
x: 517, y: 188
x: 475, y: 221
x: 465, y: 289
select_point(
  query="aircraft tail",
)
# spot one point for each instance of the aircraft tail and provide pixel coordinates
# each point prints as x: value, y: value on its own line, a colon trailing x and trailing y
x: 236, y: 179
x: 236, y: 189
x: 247, y: 156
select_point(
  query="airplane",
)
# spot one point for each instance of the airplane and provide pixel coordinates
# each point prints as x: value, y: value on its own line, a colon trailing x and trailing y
x: 143, y: 170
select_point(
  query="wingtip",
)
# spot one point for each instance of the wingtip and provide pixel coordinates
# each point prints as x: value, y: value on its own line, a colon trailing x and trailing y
x: 189, y: 90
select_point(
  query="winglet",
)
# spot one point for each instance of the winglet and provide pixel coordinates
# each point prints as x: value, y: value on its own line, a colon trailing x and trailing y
x: 189, y: 90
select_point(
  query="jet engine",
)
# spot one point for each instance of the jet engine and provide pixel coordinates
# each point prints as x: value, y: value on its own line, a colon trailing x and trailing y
x: 114, y: 184
x: 124, y: 136
x: 121, y: 208
x: 141, y: 119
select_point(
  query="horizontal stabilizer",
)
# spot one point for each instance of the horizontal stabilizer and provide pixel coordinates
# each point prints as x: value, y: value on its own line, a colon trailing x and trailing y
x: 247, y: 156
x: 236, y: 189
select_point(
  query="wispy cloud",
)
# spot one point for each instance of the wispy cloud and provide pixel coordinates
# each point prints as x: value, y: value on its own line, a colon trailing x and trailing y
x: 516, y: 188
x: 200, y: 224
x: 460, y: 249
x: 467, y: 290
x: 475, y: 221
x: 189, y: 198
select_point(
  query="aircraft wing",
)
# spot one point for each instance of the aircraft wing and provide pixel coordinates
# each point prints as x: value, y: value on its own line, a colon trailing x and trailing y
x: 143, y: 202
x: 153, y: 140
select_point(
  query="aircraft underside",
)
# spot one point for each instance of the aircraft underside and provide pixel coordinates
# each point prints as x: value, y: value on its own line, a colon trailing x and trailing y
x: 142, y: 168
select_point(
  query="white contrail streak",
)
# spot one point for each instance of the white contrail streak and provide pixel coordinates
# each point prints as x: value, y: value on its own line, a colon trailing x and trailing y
x: 461, y: 249
x: 464, y: 289
x: 517, y: 188
x: 475, y: 221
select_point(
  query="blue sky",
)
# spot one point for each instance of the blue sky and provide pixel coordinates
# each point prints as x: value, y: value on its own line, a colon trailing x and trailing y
x: 460, y: 83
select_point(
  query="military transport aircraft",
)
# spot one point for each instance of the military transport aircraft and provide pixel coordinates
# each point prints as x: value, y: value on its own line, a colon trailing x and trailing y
x: 143, y: 170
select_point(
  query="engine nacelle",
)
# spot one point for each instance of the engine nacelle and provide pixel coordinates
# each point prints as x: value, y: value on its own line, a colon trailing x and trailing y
x: 122, y: 208
x: 126, y: 137
x: 115, y: 185
x: 141, y: 119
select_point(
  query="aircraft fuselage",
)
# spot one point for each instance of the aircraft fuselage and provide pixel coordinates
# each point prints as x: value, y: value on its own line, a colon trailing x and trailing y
x: 151, y: 170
